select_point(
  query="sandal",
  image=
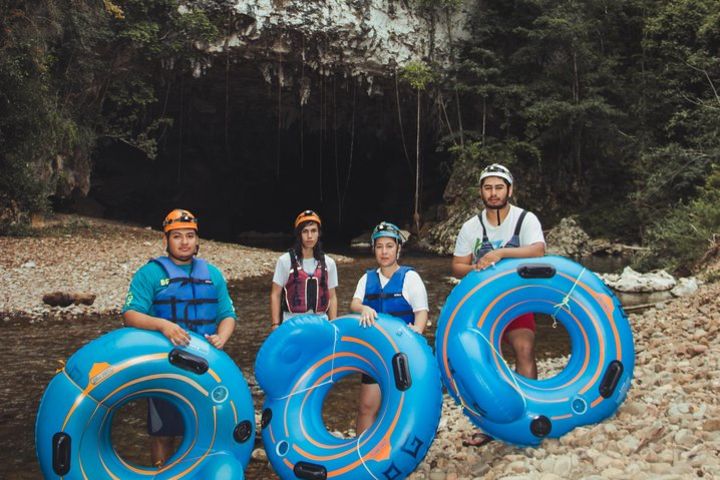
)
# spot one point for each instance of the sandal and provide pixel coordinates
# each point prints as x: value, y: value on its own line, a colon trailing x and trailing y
x: 478, y: 439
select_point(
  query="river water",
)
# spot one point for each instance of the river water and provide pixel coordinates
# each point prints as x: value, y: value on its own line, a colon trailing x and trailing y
x: 34, y: 350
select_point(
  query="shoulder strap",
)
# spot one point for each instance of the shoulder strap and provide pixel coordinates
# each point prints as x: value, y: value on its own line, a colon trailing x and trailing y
x: 294, y: 263
x: 485, y: 238
x: 519, y: 223
x: 171, y: 270
x: 200, y: 270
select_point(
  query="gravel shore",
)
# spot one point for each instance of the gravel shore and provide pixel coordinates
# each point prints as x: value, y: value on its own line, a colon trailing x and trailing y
x: 85, y: 255
x: 668, y: 428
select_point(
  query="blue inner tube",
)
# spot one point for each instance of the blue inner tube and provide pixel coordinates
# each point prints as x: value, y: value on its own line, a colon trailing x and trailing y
x: 509, y: 406
x: 72, y: 432
x: 298, y: 365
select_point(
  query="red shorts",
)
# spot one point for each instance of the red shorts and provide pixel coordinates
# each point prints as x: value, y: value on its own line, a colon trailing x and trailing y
x: 523, y: 321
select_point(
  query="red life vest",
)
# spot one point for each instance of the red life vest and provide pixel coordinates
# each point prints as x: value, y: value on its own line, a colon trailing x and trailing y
x: 304, y: 292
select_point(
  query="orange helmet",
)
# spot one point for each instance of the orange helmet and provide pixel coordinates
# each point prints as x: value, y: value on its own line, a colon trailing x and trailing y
x: 178, y: 219
x: 307, y: 216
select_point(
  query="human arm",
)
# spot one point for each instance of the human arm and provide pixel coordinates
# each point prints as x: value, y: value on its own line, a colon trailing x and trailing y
x: 280, y: 278
x: 332, y: 304
x: 275, y: 298
x: 224, y: 331
x: 462, y: 255
x: 368, y: 315
x: 494, y: 256
x: 462, y: 265
x: 174, y: 332
x: 415, y: 293
x: 421, y: 318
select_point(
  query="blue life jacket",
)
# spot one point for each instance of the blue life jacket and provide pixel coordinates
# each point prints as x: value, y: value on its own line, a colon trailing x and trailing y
x: 190, y: 300
x: 486, y: 246
x: 389, y: 299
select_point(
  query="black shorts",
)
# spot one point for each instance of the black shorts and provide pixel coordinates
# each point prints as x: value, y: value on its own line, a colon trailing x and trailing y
x: 164, y: 420
x: 367, y: 380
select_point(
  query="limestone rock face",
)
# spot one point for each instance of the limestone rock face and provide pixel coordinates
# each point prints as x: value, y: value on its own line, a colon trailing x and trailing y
x: 367, y: 36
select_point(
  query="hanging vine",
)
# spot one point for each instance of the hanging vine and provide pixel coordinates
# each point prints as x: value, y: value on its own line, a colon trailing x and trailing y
x: 419, y: 76
x: 279, y: 116
x: 400, y: 122
x: 352, y: 146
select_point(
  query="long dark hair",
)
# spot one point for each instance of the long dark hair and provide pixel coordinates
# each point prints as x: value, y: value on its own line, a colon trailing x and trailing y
x: 318, y: 253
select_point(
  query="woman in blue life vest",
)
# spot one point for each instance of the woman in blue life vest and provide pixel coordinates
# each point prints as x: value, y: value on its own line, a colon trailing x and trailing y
x: 305, y: 278
x: 392, y: 289
x: 174, y: 294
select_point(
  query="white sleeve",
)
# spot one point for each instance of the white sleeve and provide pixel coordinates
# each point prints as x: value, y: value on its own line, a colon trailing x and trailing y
x: 463, y: 244
x: 414, y: 291
x: 282, y: 270
x: 332, y: 272
x: 360, y: 289
x: 531, y: 231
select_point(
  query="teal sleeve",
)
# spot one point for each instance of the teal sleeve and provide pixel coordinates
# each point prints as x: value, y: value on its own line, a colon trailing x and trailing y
x: 143, y: 287
x: 225, y: 305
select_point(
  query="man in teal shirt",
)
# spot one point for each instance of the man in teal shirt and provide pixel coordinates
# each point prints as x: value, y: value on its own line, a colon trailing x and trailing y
x: 175, y: 294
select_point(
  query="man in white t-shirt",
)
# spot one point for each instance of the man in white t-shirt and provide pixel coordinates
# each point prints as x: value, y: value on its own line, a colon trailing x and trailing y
x: 500, y: 231
x: 305, y: 278
x: 392, y: 289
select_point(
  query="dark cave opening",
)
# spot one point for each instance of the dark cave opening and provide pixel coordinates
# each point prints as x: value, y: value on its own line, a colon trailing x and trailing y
x: 245, y: 153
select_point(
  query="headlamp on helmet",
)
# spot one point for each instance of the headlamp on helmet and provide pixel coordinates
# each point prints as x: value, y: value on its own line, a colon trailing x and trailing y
x: 178, y: 219
x: 307, y: 216
x: 387, y: 229
x: 496, y: 170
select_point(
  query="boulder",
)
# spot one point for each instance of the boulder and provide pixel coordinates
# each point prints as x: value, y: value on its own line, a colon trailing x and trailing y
x: 65, y: 299
x: 568, y: 239
x: 631, y: 281
x: 685, y: 287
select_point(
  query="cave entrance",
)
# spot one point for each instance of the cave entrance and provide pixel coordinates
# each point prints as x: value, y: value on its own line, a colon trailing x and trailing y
x: 252, y: 145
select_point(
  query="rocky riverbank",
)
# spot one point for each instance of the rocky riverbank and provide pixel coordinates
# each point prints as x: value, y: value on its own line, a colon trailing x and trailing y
x: 669, y: 427
x: 89, y: 256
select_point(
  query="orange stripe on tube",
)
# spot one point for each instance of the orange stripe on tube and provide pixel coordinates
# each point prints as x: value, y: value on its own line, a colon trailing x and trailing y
x: 451, y: 319
x: 309, y: 371
x: 386, y: 437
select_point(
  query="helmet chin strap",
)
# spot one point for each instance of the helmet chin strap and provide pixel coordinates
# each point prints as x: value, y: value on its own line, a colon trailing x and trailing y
x: 496, y: 210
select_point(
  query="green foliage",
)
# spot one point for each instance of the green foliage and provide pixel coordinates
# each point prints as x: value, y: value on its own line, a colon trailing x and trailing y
x: 682, y: 238
x: 615, y: 106
x: 71, y: 72
x: 418, y: 74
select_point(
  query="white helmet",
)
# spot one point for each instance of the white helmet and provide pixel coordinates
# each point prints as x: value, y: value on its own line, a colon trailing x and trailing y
x: 496, y: 170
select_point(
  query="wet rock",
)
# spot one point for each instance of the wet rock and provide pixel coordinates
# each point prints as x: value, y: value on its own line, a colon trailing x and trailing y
x: 259, y: 454
x: 685, y: 286
x: 437, y: 475
x: 631, y: 281
x: 64, y: 299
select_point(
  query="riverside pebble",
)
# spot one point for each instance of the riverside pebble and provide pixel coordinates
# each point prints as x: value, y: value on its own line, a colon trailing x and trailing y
x: 669, y: 426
